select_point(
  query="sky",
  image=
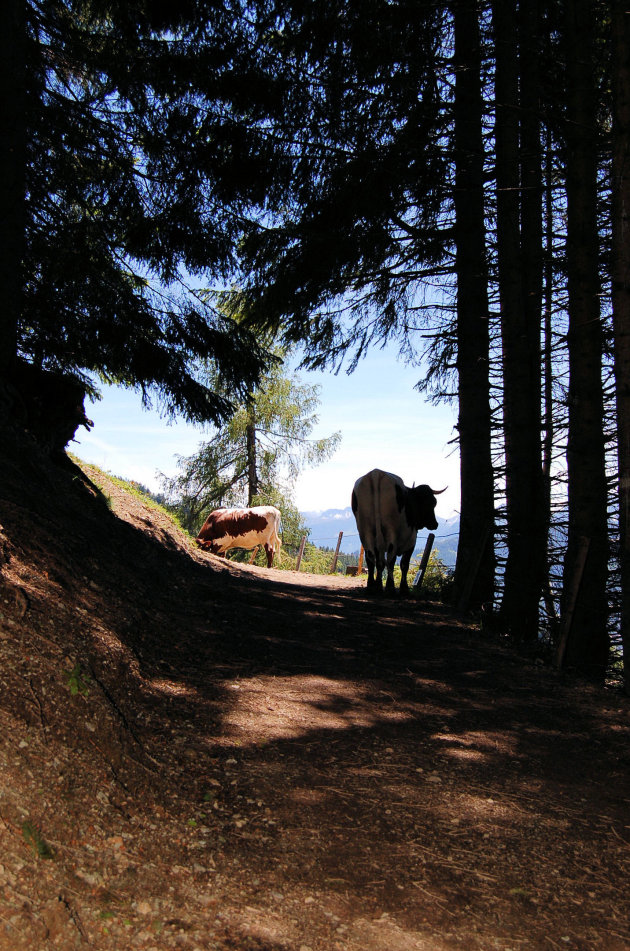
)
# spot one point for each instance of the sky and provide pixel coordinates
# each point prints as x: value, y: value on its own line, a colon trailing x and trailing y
x: 384, y: 424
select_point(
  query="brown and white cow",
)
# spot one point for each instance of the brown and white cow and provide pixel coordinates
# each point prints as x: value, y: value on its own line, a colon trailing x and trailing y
x: 388, y: 516
x: 225, y: 529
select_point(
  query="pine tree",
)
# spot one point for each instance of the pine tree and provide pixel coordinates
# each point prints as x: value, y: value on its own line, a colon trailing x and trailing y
x: 137, y: 133
x: 477, y: 489
x: 340, y: 268
x: 519, y: 252
x: 257, y: 455
x: 621, y: 295
x: 588, y: 644
x: 12, y: 174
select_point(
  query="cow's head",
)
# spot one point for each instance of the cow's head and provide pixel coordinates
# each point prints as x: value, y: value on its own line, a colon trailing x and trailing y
x: 420, y: 506
x: 207, y: 545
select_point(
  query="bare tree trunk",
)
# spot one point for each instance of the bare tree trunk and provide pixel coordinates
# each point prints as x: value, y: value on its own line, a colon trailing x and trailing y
x: 588, y: 642
x: 477, y: 488
x: 12, y: 174
x: 530, y: 54
x: 548, y: 412
x: 621, y: 294
x: 519, y: 238
x: 252, y: 467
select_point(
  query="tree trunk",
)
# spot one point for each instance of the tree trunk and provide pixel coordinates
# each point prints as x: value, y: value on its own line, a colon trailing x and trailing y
x: 621, y: 295
x: 588, y: 641
x: 477, y: 488
x: 519, y: 237
x: 12, y: 174
x: 252, y: 468
x: 547, y: 376
x: 532, y: 237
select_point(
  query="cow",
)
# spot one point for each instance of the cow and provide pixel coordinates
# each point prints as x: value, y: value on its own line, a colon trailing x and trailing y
x: 388, y: 515
x: 225, y: 529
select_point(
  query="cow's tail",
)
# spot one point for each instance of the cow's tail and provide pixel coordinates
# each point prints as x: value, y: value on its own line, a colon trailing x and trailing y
x: 378, y: 527
x: 277, y: 541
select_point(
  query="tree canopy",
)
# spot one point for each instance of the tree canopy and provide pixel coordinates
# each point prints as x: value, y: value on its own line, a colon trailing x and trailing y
x: 341, y: 265
x: 145, y: 156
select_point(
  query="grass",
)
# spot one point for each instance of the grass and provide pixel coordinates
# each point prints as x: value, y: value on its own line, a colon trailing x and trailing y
x: 133, y: 488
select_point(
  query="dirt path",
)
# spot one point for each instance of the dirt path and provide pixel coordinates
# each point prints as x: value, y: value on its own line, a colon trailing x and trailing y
x: 199, y: 755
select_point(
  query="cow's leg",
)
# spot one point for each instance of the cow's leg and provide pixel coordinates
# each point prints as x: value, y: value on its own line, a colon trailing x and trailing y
x: 375, y: 571
x: 380, y: 567
x: 369, y: 560
x: 269, y: 553
x: 404, y: 568
x: 391, y: 561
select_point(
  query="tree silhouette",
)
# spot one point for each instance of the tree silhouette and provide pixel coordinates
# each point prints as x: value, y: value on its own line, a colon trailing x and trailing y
x: 132, y: 155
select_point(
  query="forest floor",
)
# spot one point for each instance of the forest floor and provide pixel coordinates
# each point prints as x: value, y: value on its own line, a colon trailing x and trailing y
x: 201, y: 755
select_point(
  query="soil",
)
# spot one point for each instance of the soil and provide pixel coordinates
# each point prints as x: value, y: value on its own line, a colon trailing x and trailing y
x: 197, y: 754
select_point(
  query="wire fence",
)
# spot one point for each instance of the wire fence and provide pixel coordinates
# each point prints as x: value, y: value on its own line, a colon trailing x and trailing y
x: 333, y: 538
x: 317, y: 543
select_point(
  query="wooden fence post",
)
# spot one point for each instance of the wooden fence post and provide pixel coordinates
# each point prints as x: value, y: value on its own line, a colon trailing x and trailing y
x: 572, y: 594
x: 300, y: 553
x: 360, y: 565
x: 334, y: 561
x: 417, y: 581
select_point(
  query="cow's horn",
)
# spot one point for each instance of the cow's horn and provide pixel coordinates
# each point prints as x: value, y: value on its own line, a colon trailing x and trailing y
x: 439, y: 491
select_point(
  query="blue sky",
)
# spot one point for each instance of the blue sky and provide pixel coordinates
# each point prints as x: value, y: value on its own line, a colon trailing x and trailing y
x: 384, y: 424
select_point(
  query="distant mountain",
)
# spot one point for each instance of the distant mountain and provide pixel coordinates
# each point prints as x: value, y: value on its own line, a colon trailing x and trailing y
x: 325, y: 527
x: 446, y: 539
